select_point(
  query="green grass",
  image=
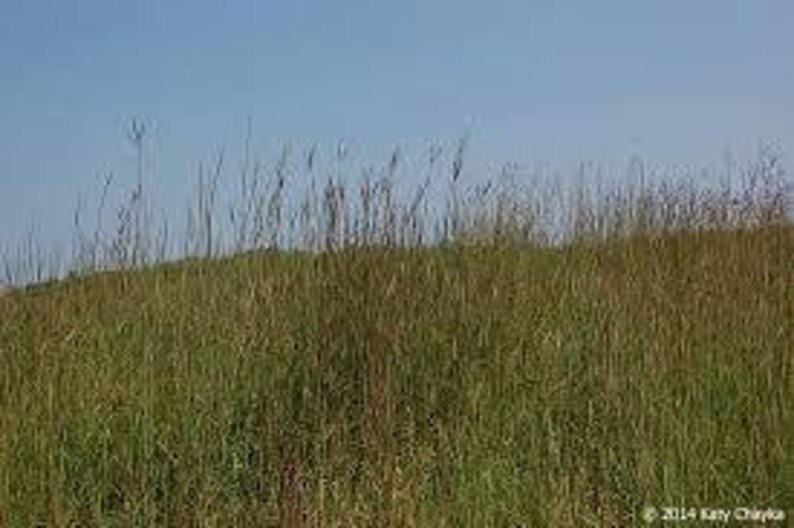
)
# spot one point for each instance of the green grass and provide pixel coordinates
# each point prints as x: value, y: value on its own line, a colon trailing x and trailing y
x: 497, y: 383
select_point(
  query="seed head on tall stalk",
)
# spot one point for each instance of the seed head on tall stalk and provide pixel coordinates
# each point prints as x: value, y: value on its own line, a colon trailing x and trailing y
x: 136, y: 135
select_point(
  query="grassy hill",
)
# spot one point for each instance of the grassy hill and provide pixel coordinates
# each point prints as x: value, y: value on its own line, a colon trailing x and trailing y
x: 497, y: 382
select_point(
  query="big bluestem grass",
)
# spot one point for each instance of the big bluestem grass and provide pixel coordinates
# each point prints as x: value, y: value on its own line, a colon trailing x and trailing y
x: 513, y: 355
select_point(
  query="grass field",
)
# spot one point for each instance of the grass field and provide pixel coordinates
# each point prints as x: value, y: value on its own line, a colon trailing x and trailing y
x: 496, y: 376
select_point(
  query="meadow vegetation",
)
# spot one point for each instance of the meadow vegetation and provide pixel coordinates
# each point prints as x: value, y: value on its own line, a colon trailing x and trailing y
x: 507, y: 356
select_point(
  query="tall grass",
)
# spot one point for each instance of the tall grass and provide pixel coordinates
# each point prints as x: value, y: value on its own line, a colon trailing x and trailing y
x: 511, y: 356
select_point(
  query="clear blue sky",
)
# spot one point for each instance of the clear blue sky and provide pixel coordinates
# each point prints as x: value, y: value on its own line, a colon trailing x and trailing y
x: 531, y: 81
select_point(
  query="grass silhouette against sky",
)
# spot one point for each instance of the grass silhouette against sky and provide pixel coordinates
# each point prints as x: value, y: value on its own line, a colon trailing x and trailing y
x: 677, y: 82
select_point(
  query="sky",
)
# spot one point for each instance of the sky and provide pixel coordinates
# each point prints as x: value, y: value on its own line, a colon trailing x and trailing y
x: 532, y: 81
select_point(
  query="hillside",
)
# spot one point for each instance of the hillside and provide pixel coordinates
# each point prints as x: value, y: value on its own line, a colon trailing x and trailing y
x: 467, y: 385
